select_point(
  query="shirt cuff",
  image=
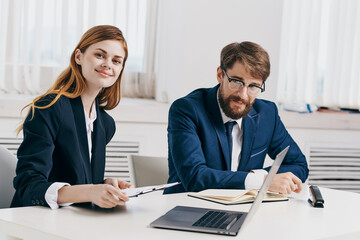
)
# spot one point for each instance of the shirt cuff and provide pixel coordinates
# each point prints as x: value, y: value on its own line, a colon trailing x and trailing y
x: 51, y: 195
x: 255, y: 179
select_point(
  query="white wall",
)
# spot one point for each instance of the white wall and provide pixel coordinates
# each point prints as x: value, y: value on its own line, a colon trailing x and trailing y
x: 193, y: 32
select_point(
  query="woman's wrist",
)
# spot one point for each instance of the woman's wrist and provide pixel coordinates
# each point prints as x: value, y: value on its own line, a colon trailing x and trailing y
x: 75, y: 193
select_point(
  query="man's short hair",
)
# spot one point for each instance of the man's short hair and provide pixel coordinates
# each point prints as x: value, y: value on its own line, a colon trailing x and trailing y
x: 252, y: 55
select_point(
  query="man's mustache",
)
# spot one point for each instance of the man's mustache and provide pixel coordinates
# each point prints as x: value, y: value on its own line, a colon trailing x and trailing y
x: 238, y: 99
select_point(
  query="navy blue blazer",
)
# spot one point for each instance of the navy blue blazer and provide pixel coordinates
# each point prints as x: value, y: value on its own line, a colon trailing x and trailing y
x: 198, y: 151
x: 55, y: 149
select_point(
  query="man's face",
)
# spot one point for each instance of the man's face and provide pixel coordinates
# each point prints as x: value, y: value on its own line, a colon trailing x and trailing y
x: 236, y: 103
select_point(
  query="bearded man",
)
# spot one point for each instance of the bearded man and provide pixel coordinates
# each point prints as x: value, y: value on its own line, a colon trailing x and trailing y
x: 219, y: 137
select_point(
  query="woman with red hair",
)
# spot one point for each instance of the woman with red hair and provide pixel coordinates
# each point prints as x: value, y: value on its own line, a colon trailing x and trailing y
x: 62, y: 157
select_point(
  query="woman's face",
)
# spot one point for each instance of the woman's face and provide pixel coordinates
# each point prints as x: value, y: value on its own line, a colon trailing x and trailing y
x: 101, y: 63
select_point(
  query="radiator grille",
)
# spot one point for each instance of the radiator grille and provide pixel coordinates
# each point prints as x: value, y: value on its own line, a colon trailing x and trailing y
x: 12, y: 144
x: 336, y: 167
x: 117, y: 155
x: 117, y: 159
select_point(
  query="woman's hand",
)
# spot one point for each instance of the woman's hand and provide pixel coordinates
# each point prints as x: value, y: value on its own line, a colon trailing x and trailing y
x: 107, y: 196
x: 117, y: 183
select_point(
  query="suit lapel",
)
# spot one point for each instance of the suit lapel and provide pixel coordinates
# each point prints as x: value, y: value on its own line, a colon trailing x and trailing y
x: 217, y: 121
x: 249, y: 124
x: 98, y: 148
x: 79, y: 118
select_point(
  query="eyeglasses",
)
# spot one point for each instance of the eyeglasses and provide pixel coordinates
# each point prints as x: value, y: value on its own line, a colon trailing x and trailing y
x: 237, y: 85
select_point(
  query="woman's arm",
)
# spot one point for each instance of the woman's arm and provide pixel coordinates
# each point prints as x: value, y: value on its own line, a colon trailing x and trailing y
x: 35, y: 154
x: 103, y: 195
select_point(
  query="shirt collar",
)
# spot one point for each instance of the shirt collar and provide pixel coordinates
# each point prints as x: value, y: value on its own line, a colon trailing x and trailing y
x: 90, y: 120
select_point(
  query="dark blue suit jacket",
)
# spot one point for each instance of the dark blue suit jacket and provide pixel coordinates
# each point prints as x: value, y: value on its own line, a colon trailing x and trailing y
x: 198, y: 149
x: 55, y: 149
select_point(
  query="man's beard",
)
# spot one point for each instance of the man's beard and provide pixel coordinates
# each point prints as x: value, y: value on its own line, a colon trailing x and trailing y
x: 225, y: 105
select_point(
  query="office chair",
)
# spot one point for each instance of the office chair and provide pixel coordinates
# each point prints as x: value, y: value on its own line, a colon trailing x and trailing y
x: 148, y: 171
x: 7, y: 173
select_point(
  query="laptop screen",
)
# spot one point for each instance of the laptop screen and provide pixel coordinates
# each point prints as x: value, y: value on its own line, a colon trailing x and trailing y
x: 273, y: 170
x: 227, y: 222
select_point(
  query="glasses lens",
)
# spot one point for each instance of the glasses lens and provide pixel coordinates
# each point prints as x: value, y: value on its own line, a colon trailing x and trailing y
x: 237, y: 86
x: 253, y: 90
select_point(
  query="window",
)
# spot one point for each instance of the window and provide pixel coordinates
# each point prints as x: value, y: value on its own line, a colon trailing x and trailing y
x: 320, y: 53
x: 38, y: 37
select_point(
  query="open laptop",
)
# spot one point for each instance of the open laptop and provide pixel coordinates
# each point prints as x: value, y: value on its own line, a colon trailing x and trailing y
x: 214, y: 220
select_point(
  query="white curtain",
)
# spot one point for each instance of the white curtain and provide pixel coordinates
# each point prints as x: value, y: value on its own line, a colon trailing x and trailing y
x: 320, y: 53
x: 38, y: 37
x: 142, y: 84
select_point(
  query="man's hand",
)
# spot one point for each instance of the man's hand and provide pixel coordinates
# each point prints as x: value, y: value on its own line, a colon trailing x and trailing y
x: 285, y: 183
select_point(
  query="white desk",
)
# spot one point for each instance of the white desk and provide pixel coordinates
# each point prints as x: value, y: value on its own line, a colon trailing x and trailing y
x: 294, y: 219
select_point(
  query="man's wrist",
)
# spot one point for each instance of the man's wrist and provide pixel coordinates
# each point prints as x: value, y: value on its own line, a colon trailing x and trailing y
x: 255, y: 179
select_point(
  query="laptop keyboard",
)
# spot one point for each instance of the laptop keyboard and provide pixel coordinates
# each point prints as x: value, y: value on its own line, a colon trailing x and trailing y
x: 216, y: 219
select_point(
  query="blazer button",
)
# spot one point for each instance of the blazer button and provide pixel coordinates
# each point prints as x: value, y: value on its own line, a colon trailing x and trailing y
x: 37, y: 202
x: 41, y: 202
x: 33, y: 202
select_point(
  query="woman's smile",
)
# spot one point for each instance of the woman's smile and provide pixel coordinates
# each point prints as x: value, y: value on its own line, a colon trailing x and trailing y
x: 104, y: 73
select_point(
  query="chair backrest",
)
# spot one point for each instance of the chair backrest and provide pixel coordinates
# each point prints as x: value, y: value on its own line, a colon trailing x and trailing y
x: 148, y: 171
x: 7, y: 173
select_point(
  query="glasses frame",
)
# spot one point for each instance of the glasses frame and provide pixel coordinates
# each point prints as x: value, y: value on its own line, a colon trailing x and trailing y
x: 262, y: 88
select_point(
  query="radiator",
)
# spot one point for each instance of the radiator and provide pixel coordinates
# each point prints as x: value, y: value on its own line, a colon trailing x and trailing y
x: 335, y: 166
x: 12, y: 144
x: 117, y: 155
x: 117, y: 159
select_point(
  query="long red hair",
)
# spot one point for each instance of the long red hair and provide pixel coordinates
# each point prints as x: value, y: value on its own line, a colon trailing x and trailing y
x: 71, y: 82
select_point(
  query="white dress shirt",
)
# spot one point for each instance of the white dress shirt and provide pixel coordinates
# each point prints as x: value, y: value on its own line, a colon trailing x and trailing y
x: 90, y: 126
x: 255, y: 178
x: 51, y: 195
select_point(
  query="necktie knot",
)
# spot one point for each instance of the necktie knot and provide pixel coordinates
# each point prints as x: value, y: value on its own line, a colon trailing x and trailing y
x: 229, y: 126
